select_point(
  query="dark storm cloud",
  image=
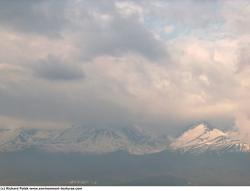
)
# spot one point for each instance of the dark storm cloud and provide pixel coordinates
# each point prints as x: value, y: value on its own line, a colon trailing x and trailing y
x: 54, y: 68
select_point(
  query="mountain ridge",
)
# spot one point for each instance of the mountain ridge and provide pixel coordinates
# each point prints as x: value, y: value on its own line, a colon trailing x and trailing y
x: 83, y: 140
x: 200, y: 138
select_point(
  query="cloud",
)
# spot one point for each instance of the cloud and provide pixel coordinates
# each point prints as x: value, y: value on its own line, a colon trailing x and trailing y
x: 45, y: 17
x: 243, y: 56
x: 55, y: 69
x: 235, y: 16
x: 102, y: 27
x: 121, y: 37
x: 168, y: 29
x: 116, y: 32
x: 191, y: 14
x: 116, y: 65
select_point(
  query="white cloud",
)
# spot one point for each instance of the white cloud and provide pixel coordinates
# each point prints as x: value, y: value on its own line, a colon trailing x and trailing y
x: 236, y: 14
x: 168, y: 29
x: 129, y: 8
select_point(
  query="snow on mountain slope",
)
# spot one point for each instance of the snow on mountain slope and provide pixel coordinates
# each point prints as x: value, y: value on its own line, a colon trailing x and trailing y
x: 198, y: 139
x: 104, y: 140
x: 79, y: 139
x: 21, y: 138
x: 203, y: 138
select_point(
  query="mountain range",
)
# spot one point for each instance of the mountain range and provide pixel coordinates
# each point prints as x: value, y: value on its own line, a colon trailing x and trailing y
x: 200, y: 138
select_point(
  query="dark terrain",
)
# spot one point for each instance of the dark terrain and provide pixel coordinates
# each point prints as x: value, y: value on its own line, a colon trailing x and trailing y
x: 119, y: 168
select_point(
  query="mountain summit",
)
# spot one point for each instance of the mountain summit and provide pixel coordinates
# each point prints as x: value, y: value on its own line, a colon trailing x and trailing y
x: 202, y: 138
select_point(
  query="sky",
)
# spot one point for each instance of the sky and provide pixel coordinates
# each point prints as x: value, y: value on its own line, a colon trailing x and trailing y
x: 162, y: 64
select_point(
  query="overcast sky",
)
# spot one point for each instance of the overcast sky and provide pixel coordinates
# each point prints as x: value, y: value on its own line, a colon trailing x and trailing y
x: 152, y: 64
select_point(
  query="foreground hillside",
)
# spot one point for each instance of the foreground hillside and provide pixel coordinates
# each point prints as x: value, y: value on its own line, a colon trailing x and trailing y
x: 120, y: 168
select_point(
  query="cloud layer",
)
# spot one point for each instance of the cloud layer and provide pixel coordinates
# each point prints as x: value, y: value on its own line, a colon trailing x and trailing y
x: 155, y: 64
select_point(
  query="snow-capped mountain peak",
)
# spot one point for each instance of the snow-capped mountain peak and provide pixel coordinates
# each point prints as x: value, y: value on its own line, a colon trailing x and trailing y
x: 203, y: 138
x: 194, y: 132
